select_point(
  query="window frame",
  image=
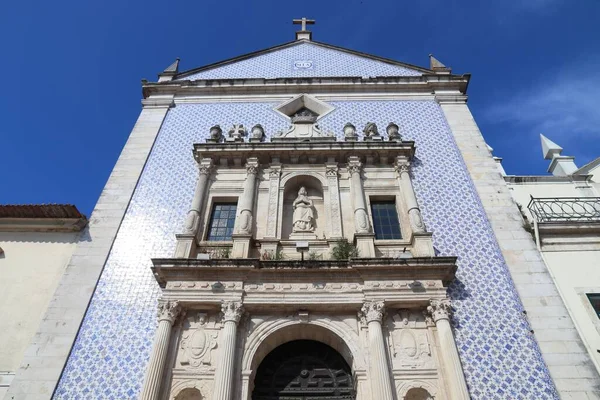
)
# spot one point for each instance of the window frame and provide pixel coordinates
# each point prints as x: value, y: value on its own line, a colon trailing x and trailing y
x: 213, y: 205
x: 373, y: 200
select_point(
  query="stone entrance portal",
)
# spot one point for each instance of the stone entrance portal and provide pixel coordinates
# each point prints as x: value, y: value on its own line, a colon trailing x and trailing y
x: 303, y: 370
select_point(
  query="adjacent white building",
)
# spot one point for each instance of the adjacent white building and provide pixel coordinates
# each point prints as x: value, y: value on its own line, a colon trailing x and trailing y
x: 562, y: 212
x: 36, y: 243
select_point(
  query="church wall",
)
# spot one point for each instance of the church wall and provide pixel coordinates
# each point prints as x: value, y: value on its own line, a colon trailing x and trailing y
x: 540, y: 297
x: 47, y: 353
x: 500, y: 357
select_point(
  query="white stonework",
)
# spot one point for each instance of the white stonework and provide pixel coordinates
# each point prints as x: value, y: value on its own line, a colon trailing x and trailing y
x: 541, y: 300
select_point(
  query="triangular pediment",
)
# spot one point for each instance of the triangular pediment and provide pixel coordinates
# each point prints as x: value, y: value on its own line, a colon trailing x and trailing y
x: 303, y: 59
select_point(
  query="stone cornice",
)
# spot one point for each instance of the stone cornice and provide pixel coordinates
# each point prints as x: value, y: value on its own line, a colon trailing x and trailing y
x: 418, y: 268
x: 42, y: 224
x: 428, y: 83
x: 338, y: 150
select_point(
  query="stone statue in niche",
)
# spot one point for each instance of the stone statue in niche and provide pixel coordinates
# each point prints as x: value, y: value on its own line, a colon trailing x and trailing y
x: 303, y: 212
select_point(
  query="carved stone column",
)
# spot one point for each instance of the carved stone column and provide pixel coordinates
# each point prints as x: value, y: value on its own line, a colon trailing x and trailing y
x: 232, y: 312
x: 381, y: 381
x: 455, y: 378
x: 331, y: 171
x: 167, y: 314
x: 243, y: 226
x: 186, y: 242
x: 364, y: 235
x: 421, y: 239
x: 402, y: 167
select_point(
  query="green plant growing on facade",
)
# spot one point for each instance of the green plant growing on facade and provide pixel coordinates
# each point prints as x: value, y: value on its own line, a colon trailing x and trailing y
x: 269, y: 255
x: 344, y: 250
x: 313, y: 256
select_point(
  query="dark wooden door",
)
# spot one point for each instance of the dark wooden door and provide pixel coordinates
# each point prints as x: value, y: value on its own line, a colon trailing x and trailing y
x: 303, y: 370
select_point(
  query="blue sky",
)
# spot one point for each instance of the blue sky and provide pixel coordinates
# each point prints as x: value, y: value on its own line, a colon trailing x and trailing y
x: 72, y: 71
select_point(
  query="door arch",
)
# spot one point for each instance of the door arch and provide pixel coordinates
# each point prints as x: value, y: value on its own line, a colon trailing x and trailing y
x: 303, y: 370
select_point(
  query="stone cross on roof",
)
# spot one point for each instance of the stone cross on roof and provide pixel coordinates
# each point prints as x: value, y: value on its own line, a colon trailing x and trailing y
x: 303, y: 33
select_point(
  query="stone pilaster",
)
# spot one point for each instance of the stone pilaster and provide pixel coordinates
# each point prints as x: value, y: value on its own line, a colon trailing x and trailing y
x: 331, y: 171
x: 167, y: 314
x: 381, y: 381
x: 270, y: 241
x: 232, y: 312
x: 243, y: 228
x: 457, y: 386
x: 186, y: 242
x: 363, y: 233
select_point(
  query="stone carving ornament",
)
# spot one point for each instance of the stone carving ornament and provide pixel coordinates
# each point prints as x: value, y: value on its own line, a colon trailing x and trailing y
x: 197, y: 343
x: 236, y: 133
x: 257, y: 133
x: 168, y: 310
x: 372, y: 311
x: 393, y: 131
x: 215, y: 133
x: 440, y: 309
x: 232, y: 311
x: 303, y: 216
x: 371, y: 130
x: 350, y: 131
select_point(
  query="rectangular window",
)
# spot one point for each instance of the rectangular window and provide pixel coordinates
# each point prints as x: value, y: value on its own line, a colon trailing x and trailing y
x: 385, y: 220
x: 222, y: 220
x: 594, y: 298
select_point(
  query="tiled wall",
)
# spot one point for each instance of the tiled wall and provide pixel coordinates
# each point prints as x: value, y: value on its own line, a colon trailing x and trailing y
x: 500, y: 357
x: 304, y: 60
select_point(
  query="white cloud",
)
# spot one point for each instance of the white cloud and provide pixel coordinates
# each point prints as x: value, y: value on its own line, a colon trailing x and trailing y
x: 562, y: 104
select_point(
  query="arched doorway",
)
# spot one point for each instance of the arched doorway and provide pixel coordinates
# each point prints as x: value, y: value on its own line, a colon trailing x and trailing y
x: 303, y: 370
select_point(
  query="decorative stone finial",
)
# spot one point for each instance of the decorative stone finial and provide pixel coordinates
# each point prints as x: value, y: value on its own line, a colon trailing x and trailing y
x: 350, y: 132
x: 257, y: 133
x: 169, y: 72
x: 560, y: 165
x: 236, y: 133
x: 232, y: 311
x: 393, y: 131
x: 436, y: 66
x: 372, y: 311
x: 371, y: 132
x: 168, y: 310
x: 439, y: 309
x: 215, y: 134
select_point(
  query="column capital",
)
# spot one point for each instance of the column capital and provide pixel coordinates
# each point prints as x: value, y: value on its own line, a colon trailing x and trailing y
x: 232, y: 311
x: 401, y: 165
x: 168, y: 310
x: 252, y: 166
x: 372, y: 311
x: 274, y: 172
x: 205, y: 166
x: 439, y: 309
x: 354, y: 165
x: 331, y: 171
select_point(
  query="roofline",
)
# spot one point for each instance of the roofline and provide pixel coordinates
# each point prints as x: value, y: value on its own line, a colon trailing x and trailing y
x: 41, y: 218
x: 292, y: 43
x: 592, y: 164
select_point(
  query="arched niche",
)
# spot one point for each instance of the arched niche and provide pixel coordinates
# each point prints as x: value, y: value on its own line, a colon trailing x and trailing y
x: 189, y: 394
x: 314, y: 188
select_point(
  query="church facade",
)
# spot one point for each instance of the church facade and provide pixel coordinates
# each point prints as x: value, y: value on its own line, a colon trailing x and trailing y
x: 306, y: 222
